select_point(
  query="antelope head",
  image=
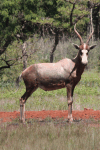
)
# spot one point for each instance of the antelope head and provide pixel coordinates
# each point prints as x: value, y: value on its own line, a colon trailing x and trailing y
x: 83, y: 48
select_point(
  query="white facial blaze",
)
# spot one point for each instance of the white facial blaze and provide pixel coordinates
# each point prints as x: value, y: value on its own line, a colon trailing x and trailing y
x: 84, y: 55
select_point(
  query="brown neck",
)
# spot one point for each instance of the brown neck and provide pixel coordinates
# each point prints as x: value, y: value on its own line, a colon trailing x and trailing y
x: 78, y: 65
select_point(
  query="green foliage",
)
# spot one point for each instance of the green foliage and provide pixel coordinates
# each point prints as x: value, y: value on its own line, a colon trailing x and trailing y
x: 17, y: 17
x: 68, y: 14
x: 21, y: 19
x: 8, y: 20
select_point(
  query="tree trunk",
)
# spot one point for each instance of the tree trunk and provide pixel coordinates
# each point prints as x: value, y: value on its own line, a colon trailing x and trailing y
x: 91, y: 27
x: 98, y: 23
x: 24, y: 58
x: 54, y: 46
x: 24, y: 54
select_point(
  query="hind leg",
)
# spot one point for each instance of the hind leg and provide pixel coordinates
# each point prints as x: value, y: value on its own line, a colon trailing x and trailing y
x: 23, y: 99
x: 70, y: 90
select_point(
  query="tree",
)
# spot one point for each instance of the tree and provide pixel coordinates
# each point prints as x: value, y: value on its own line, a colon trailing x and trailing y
x: 20, y: 19
x: 69, y: 12
x: 96, y: 18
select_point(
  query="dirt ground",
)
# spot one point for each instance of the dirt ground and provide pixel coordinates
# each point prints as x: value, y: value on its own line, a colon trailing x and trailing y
x: 54, y: 114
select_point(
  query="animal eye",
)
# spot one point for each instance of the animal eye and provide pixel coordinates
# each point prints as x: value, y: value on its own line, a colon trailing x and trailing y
x: 87, y: 53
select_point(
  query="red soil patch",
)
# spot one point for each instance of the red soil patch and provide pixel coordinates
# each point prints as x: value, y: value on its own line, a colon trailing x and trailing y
x: 83, y: 114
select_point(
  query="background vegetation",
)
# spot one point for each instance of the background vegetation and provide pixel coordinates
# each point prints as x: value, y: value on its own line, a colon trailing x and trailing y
x: 41, y: 27
x: 30, y: 32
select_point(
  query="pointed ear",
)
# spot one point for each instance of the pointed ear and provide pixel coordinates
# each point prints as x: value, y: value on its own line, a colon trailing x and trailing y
x: 93, y: 46
x: 76, y: 46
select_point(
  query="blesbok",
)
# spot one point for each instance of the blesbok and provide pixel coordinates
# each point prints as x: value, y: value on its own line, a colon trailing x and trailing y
x: 51, y: 76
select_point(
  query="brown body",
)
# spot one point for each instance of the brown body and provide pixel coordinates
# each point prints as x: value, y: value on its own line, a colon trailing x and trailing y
x: 51, y: 76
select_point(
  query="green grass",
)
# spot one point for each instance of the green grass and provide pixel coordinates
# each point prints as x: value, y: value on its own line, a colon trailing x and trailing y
x: 86, y: 94
x: 50, y: 135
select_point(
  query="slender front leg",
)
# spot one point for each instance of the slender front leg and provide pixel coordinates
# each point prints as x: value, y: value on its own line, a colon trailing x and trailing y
x: 70, y: 90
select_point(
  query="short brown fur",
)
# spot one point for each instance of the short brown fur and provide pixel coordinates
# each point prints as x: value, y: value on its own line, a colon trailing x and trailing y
x: 51, y: 76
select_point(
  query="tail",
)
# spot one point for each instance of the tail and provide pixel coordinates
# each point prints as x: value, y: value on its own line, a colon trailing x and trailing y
x: 18, y: 80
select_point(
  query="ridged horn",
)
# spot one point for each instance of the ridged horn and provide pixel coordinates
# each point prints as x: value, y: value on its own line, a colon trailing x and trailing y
x: 79, y: 36
x: 89, y: 37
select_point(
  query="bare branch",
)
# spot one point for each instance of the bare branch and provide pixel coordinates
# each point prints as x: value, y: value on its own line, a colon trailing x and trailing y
x: 3, y: 49
x: 71, y: 15
x: 52, y: 31
x: 79, y: 18
x: 70, y: 2
x: 54, y: 46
